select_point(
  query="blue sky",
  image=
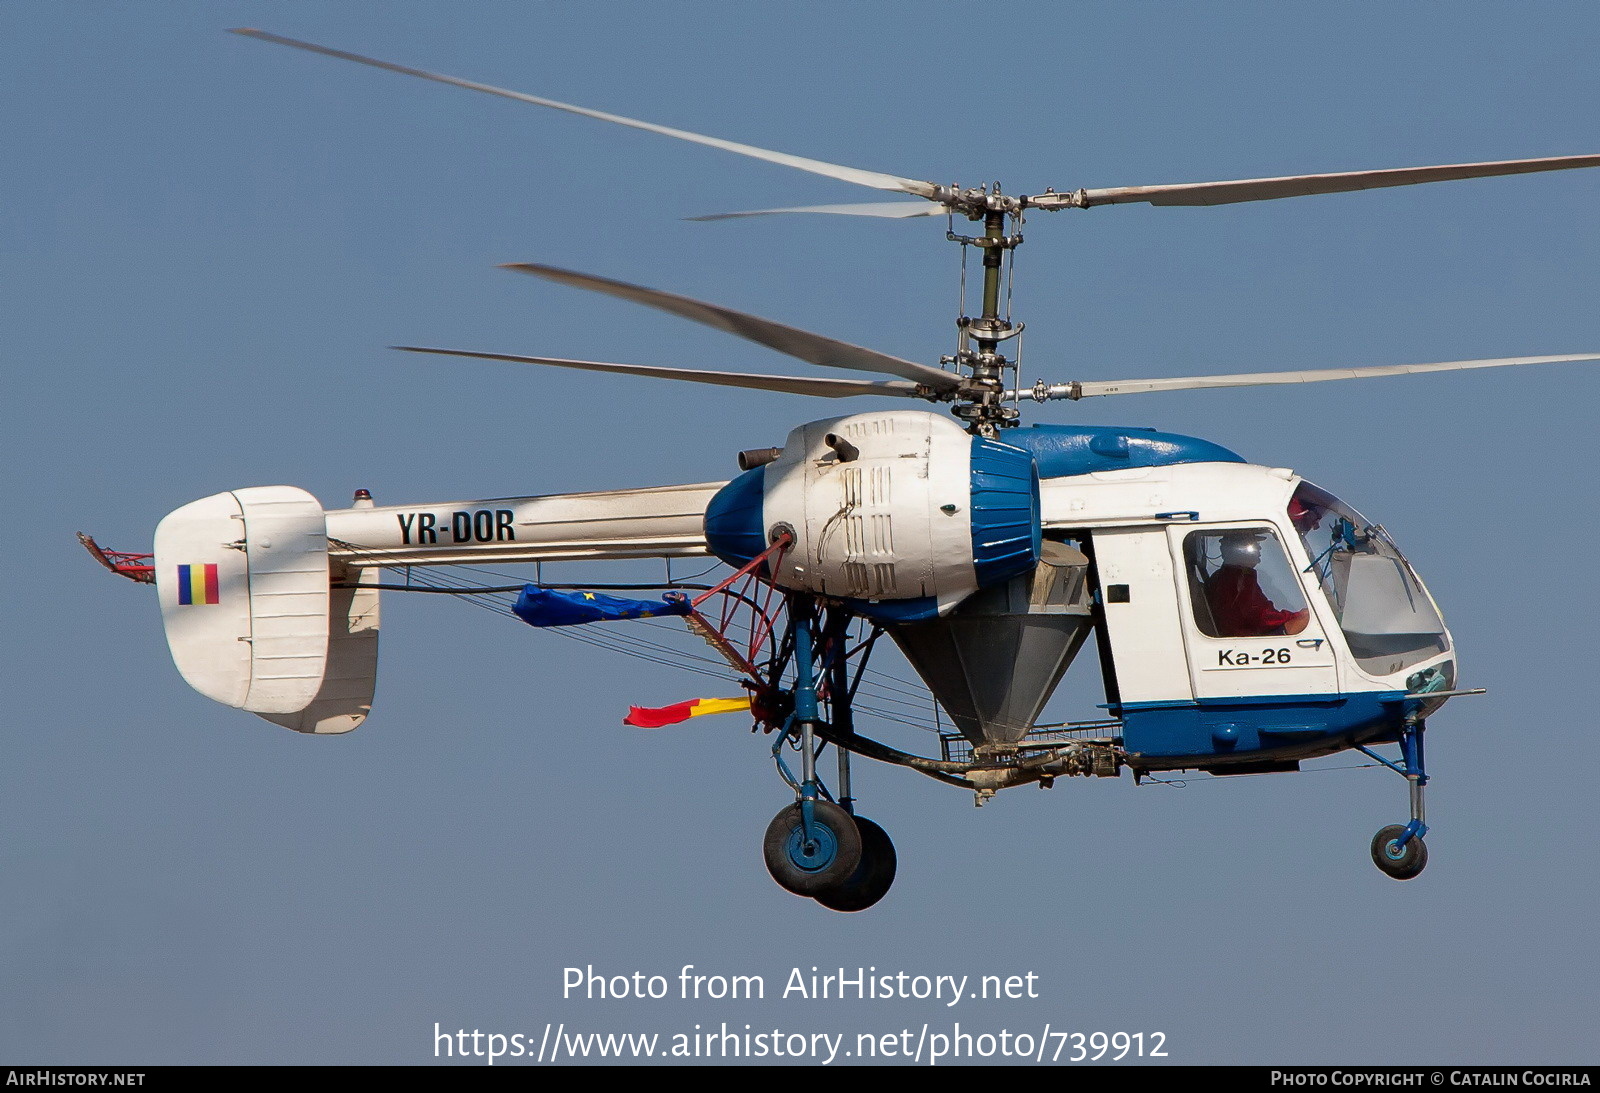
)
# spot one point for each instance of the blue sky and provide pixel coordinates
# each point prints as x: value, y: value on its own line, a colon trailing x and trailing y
x: 209, y: 242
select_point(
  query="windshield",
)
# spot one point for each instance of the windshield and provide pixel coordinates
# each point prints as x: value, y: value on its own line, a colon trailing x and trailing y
x: 1387, y: 618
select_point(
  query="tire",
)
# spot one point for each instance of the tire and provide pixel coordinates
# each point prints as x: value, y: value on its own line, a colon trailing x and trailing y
x: 807, y: 869
x: 872, y: 878
x: 1401, y: 863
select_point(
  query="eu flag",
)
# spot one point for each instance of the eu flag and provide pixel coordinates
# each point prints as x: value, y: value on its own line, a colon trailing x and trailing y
x: 547, y: 607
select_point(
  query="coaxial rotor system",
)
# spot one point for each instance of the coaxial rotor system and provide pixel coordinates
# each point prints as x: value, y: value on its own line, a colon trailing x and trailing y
x: 978, y: 387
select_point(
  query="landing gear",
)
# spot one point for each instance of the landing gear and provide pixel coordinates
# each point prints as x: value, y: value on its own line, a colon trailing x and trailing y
x: 1398, y: 850
x: 816, y: 847
x: 812, y: 855
x: 871, y: 880
x: 1402, y: 861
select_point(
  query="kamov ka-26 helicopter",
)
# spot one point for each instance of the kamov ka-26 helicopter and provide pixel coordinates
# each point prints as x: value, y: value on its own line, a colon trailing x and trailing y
x: 1245, y: 619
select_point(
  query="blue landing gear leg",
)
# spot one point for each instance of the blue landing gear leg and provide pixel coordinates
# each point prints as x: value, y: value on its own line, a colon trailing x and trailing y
x: 873, y: 877
x: 1399, y: 850
x: 813, y: 846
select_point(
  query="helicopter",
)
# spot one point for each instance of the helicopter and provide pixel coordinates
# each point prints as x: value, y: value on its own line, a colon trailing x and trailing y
x: 1245, y: 620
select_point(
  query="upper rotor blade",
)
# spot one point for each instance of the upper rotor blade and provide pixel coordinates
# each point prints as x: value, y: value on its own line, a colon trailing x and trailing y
x: 890, y: 210
x: 1262, y: 189
x: 789, y: 340
x: 875, y: 179
x: 794, y: 385
x: 1254, y: 379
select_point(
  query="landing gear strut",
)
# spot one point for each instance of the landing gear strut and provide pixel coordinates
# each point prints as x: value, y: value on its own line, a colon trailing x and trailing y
x: 817, y: 847
x: 1398, y: 850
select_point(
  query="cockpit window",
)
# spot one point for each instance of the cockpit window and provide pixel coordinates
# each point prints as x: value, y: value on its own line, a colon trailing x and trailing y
x: 1241, y: 584
x: 1387, y: 618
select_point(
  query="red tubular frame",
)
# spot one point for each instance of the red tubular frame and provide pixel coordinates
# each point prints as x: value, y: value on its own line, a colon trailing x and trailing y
x: 135, y: 567
x: 761, y: 626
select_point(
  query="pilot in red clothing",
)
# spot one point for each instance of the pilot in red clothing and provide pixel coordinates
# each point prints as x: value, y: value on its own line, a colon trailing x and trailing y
x: 1305, y: 515
x: 1239, y: 607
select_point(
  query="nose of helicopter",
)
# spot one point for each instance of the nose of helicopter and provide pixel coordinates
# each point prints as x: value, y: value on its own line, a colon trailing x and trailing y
x: 1430, y: 686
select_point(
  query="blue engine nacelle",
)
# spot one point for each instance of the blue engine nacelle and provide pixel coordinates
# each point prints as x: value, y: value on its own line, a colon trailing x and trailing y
x: 902, y: 513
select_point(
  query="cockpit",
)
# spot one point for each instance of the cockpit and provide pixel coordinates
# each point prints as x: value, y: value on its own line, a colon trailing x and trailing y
x: 1389, y: 621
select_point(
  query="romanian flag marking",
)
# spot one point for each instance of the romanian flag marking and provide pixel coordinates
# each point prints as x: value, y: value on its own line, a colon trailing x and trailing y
x: 197, y: 584
x: 654, y: 718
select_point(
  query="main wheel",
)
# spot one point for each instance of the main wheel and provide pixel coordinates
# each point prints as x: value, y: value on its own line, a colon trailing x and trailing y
x: 809, y: 866
x: 872, y: 878
x: 1400, y: 862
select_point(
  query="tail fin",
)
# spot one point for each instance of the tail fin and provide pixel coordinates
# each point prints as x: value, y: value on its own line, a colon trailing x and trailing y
x: 244, y: 579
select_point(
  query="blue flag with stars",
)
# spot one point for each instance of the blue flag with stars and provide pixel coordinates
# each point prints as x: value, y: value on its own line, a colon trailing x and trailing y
x: 547, y: 607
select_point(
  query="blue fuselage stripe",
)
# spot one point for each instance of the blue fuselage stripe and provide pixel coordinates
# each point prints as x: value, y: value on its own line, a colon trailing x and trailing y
x: 1218, y: 731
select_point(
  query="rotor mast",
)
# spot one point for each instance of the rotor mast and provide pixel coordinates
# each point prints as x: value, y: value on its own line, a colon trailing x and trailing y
x: 983, y: 391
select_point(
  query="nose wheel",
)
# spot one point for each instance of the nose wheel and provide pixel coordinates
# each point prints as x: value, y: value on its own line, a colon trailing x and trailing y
x: 1400, y: 860
x: 1398, y: 850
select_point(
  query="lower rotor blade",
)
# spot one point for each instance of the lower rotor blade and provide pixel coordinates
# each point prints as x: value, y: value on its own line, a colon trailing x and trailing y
x: 1257, y: 379
x: 889, y: 210
x: 793, y: 385
x: 809, y: 347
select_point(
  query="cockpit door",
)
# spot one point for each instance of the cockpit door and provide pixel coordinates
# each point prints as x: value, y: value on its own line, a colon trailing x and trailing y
x: 1250, y: 622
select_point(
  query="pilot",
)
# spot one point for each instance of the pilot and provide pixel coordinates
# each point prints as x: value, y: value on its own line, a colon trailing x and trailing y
x: 1238, y: 605
x: 1305, y: 515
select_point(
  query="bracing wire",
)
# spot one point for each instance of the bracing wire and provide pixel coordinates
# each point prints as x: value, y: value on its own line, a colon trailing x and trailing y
x: 631, y: 645
x: 888, y: 697
x: 1181, y: 783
